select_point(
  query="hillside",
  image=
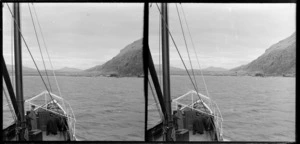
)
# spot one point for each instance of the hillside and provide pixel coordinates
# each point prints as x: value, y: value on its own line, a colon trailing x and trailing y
x: 279, y: 59
x: 26, y: 71
x: 159, y: 67
x: 129, y: 62
x: 68, y: 69
x: 210, y: 71
x: 239, y: 68
x: 24, y: 68
x: 214, y: 69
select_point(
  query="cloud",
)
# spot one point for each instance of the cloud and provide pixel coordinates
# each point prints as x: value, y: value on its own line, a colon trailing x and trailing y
x: 225, y: 35
x: 79, y: 32
x: 85, y: 35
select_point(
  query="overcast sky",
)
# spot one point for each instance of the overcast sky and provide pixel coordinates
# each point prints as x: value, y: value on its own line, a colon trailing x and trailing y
x: 78, y: 35
x: 83, y: 35
x: 225, y: 35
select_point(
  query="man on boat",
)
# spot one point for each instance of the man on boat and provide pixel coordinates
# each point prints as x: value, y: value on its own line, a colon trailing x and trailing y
x: 28, y: 120
x: 32, y: 116
x: 179, y: 117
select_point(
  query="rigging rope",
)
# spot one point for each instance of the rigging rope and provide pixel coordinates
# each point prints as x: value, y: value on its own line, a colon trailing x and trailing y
x: 199, y: 63
x: 195, y: 52
x: 44, y: 42
x: 40, y: 48
x: 156, y: 102
x: 47, y: 51
x: 32, y: 56
x: 47, y: 54
x: 30, y: 53
x: 159, y: 45
x: 178, y: 52
x: 9, y: 105
x: 12, y: 54
x: 187, y: 48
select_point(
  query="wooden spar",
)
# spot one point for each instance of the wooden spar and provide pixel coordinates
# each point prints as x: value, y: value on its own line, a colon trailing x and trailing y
x: 166, y: 72
x: 10, y: 88
x: 18, y: 68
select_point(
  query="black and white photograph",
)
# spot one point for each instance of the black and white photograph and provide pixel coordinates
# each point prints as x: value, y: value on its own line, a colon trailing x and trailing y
x: 77, y: 68
x: 154, y: 72
x: 223, y: 72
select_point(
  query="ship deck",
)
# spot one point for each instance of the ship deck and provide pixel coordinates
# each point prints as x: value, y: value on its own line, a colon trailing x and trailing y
x: 58, y: 137
x: 197, y: 137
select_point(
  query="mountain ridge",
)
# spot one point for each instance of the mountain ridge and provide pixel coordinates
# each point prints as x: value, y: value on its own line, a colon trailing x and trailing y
x: 212, y: 68
x: 68, y: 69
x: 278, y: 59
x: 128, y: 62
x: 24, y: 68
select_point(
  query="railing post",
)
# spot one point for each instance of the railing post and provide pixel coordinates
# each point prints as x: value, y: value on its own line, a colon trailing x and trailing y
x: 45, y: 98
x: 192, y: 101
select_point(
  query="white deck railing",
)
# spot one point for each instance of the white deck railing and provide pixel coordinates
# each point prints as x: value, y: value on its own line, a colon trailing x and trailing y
x: 43, y: 99
x: 209, y: 104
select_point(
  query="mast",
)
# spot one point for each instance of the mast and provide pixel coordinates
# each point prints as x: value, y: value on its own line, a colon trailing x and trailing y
x: 166, y: 72
x: 18, y: 68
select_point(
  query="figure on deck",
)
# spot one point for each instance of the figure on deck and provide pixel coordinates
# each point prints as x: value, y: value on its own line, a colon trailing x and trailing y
x: 32, y: 116
x: 28, y: 120
x: 179, y: 117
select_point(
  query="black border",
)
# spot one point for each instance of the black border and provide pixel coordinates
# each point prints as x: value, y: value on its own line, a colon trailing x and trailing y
x: 156, y: 1
x: 145, y: 55
x: 145, y: 64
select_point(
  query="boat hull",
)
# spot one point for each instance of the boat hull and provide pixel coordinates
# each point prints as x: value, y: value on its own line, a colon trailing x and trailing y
x: 48, y: 106
x: 194, y: 109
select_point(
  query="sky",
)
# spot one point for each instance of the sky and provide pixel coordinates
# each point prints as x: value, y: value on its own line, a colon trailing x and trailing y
x: 82, y: 35
x: 224, y: 35
x: 77, y: 35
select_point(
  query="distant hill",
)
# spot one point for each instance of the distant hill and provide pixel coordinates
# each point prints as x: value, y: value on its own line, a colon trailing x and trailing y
x: 26, y: 71
x: 129, y: 62
x: 93, y: 69
x: 214, y: 69
x: 68, y: 69
x: 159, y: 67
x: 24, y: 68
x: 239, y: 68
x: 279, y: 59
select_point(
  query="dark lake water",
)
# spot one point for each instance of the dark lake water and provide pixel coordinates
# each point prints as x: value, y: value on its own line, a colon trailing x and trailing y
x: 253, y: 108
x: 105, y: 108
